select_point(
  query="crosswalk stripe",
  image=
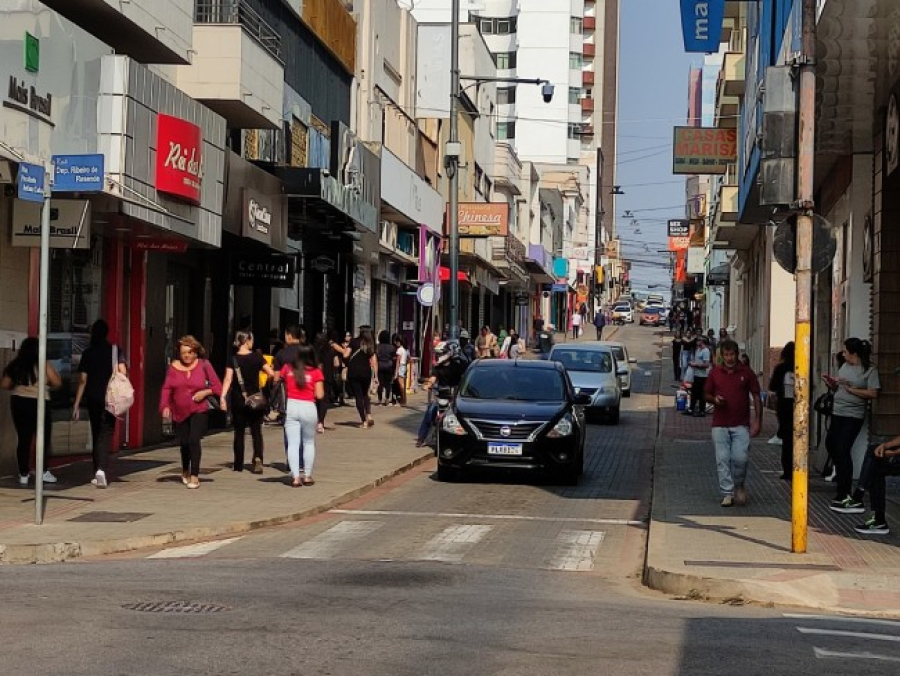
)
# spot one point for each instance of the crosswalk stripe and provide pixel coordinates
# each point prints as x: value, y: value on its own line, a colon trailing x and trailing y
x: 841, y: 618
x: 849, y: 634
x: 498, y: 517
x: 193, y: 551
x: 328, y: 543
x: 577, y: 549
x: 451, y: 544
x: 821, y: 653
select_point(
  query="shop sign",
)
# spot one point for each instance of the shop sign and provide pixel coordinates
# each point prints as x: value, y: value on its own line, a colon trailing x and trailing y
x: 26, y: 99
x: 679, y: 243
x: 161, y: 245
x: 70, y: 224
x: 482, y: 219
x: 31, y: 182
x: 701, y: 24
x: 179, y: 158
x: 522, y: 299
x: 703, y: 150
x: 404, y: 190
x: 679, y: 228
x: 696, y: 259
x: 559, y: 288
x: 269, y: 270
x: 324, y: 264
x: 257, y: 219
x: 77, y: 173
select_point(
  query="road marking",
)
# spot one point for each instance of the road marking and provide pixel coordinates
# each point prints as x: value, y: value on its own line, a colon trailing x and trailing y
x: 849, y: 634
x: 840, y: 618
x: 577, y: 549
x: 821, y: 653
x: 328, y: 543
x: 451, y: 544
x: 499, y: 517
x: 193, y: 551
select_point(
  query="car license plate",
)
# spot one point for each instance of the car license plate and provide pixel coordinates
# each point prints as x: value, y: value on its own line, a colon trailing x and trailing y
x: 504, y: 449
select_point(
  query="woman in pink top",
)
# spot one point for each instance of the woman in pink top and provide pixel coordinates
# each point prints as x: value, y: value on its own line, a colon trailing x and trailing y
x: 189, y: 381
x: 304, y: 384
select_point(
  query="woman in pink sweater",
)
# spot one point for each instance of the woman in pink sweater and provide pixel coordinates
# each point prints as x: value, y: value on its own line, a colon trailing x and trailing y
x: 189, y: 381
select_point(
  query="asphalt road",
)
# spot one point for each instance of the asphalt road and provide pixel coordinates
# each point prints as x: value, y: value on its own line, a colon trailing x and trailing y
x: 494, y: 575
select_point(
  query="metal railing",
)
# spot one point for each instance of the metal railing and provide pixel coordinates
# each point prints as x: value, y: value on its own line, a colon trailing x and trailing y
x: 238, y: 12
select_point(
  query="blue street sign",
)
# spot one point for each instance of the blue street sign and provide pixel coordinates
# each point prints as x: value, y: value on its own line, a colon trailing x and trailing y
x: 31, y: 182
x: 701, y: 24
x: 559, y: 288
x: 77, y: 173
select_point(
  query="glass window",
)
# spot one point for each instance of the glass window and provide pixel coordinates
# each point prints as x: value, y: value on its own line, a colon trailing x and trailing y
x: 599, y: 361
x: 503, y: 27
x: 574, y: 130
x: 506, y: 130
x: 575, y: 60
x: 577, y: 25
x: 574, y: 94
x: 506, y: 95
x: 505, y: 60
x: 513, y: 383
x: 487, y: 26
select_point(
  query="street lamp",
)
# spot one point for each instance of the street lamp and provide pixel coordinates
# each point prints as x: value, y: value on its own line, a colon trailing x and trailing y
x: 452, y: 152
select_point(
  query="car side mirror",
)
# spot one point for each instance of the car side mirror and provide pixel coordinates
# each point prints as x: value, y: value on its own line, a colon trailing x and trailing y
x: 632, y: 360
x: 622, y: 371
x: 582, y: 399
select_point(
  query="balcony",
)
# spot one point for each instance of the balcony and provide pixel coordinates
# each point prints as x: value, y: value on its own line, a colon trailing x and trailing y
x: 590, y: 23
x: 587, y: 77
x: 587, y: 106
x: 157, y: 32
x: 237, y: 69
x: 507, y: 168
x: 508, y: 254
x: 589, y: 50
x: 728, y: 203
x: 733, y: 69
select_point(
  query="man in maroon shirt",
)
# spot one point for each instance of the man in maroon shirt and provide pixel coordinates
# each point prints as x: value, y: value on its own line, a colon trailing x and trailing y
x: 729, y: 388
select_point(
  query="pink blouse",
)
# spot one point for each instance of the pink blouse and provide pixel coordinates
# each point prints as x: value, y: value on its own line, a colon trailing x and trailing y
x: 180, y: 387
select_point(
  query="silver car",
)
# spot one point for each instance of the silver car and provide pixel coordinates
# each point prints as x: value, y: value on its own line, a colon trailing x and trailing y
x: 595, y: 372
x: 621, y: 354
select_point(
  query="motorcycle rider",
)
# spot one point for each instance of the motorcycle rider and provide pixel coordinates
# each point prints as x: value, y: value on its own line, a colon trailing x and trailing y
x: 450, y: 364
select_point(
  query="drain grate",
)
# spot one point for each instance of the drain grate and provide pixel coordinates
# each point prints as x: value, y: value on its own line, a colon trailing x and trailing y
x: 187, y: 607
x: 111, y: 517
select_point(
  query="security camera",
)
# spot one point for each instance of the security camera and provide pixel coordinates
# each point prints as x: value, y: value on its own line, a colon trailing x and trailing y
x: 547, y: 92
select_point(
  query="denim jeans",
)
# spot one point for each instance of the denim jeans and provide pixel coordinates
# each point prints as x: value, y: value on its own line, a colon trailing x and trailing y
x: 300, y: 429
x: 732, y: 456
x: 427, y: 421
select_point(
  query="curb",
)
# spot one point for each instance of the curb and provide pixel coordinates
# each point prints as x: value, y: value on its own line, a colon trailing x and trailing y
x: 60, y: 552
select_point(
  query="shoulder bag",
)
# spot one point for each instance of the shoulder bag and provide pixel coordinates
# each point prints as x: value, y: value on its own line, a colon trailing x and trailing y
x: 254, y: 402
x: 119, y: 391
x: 212, y: 401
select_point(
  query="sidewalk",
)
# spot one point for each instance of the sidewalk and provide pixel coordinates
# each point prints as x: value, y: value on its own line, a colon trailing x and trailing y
x: 698, y: 549
x: 147, y: 505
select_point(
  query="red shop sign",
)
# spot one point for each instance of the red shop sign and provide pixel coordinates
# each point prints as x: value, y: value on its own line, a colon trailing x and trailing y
x: 162, y: 245
x: 179, y: 157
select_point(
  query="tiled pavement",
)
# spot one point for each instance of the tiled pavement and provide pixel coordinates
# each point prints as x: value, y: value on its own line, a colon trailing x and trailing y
x: 701, y: 550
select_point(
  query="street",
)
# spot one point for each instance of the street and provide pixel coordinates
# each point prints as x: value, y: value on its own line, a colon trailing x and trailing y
x: 496, y: 574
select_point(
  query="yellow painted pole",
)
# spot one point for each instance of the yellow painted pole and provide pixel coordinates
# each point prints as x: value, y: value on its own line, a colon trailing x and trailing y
x: 802, y: 389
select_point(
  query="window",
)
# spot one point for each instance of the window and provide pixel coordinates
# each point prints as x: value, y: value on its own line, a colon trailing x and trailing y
x: 577, y: 25
x: 505, y: 60
x: 571, y: 161
x: 506, y: 130
x: 495, y: 26
x: 575, y: 60
x: 574, y: 130
x: 487, y: 26
x: 506, y: 95
x: 574, y: 95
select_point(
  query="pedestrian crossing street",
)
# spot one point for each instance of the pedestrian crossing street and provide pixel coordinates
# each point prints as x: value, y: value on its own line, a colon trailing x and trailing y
x: 498, y: 540
x: 857, y: 639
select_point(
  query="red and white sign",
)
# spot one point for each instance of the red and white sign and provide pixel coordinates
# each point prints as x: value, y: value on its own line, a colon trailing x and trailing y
x: 179, y: 158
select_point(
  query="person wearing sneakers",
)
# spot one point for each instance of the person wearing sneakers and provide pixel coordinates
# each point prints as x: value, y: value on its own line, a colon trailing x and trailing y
x: 856, y: 384
x: 95, y: 369
x: 729, y: 389
x: 21, y: 376
x: 700, y: 364
x: 881, y: 462
x: 304, y: 385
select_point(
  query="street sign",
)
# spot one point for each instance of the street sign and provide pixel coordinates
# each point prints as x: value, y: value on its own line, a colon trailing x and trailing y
x: 31, y: 182
x: 77, y: 173
x: 559, y: 288
x: 425, y: 294
x: 824, y: 244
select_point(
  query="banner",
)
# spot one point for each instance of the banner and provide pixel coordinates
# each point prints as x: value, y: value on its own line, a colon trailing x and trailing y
x: 701, y: 24
x: 703, y: 150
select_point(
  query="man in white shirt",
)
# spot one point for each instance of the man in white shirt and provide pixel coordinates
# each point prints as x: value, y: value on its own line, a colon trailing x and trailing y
x: 576, y: 324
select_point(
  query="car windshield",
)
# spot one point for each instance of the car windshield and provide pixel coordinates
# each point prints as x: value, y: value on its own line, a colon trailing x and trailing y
x: 622, y: 307
x: 651, y: 310
x: 619, y: 352
x: 515, y: 384
x: 593, y: 361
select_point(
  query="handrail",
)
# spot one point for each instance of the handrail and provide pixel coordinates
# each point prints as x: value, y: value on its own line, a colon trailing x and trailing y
x: 239, y: 12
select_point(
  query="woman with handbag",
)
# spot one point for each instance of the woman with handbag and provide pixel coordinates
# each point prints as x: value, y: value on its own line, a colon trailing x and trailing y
x: 305, y: 386
x: 361, y: 368
x: 190, y: 389
x: 244, y: 398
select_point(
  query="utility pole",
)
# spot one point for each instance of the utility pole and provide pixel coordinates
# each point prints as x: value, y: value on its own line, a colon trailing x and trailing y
x: 805, y: 164
x: 452, y: 156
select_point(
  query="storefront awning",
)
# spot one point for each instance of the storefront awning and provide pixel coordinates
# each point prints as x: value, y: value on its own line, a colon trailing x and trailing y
x: 460, y: 275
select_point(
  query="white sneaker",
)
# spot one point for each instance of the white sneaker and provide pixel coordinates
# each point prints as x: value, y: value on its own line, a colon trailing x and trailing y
x: 832, y: 477
x: 99, y: 479
x: 49, y: 478
x: 23, y: 479
x: 775, y: 441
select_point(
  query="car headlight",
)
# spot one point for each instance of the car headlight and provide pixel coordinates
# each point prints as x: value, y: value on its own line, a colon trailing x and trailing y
x: 563, y: 428
x: 450, y: 423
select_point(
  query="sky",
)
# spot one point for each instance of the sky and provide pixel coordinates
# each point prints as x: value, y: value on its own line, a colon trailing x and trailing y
x: 653, y: 82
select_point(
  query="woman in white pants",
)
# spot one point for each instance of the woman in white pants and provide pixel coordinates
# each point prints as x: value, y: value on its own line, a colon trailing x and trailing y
x: 304, y: 384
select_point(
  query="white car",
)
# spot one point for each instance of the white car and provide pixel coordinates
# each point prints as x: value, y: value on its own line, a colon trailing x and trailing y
x: 623, y: 313
x: 620, y: 352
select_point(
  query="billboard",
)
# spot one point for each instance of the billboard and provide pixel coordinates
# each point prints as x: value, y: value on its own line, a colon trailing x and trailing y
x: 703, y: 150
x: 482, y: 219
